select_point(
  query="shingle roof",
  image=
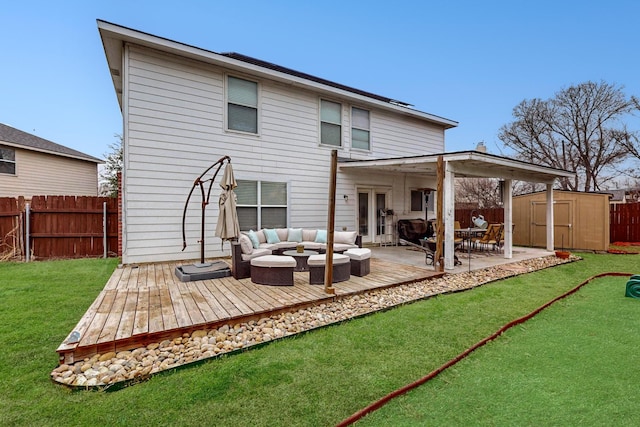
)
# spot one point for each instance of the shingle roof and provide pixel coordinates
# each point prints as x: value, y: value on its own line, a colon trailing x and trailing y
x: 13, y: 136
x: 275, y: 67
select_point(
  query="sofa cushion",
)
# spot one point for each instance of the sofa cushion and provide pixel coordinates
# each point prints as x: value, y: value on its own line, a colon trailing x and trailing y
x: 341, y: 247
x: 295, y: 235
x: 348, y: 237
x: 256, y: 253
x: 359, y: 254
x: 313, y: 246
x: 309, y: 235
x: 245, y: 244
x: 271, y: 235
x: 253, y: 236
x: 274, y: 261
x: 321, y: 259
x: 282, y: 234
x: 321, y: 236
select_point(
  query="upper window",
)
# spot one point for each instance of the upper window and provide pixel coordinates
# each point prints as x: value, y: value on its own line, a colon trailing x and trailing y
x: 7, y: 160
x: 242, y: 105
x: 330, y: 123
x: 261, y: 204
x: 360, y: 129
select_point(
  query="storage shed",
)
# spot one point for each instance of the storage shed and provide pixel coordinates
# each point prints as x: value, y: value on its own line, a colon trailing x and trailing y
x: 581, y: 220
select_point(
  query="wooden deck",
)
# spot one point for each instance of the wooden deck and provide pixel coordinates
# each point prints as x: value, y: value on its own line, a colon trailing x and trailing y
x: 148, y: 303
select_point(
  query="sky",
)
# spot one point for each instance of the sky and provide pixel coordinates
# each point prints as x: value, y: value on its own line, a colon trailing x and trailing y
x: 467, y: 61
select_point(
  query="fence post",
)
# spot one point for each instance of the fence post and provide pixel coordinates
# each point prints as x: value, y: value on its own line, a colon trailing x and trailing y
x: 104, y: 229
x: 27, y: 227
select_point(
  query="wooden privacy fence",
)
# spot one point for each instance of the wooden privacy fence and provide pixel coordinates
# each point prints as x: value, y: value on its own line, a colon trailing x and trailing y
x: 624, y: 222
x: 58, y: 227
x: 491, y: 215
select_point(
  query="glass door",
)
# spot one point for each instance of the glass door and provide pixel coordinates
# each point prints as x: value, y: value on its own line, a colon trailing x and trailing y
x: 373, y: 223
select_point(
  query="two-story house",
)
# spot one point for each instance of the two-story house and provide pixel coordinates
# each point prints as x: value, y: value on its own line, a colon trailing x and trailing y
x: 184, y: 108
x: 34, y: 166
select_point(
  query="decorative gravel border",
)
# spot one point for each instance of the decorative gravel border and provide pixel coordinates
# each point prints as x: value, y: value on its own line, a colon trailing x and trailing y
x: 113, y: 371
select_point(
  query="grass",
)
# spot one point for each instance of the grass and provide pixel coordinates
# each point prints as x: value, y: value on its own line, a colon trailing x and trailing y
x: 315, y: 379
x: 573, y: 364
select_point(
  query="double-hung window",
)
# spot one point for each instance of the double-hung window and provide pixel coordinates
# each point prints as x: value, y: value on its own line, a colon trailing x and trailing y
x: 360, y: 135
x: 261, y: 204
x: 7, y: 160
x: 330, y: 123
x: 242, y: 105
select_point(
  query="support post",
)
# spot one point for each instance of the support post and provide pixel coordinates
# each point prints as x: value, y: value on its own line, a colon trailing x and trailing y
x: 550, y: 224
x: 508, y: 219
x: 449, y: 216
x: 328, y: 264
x: 438, y: 256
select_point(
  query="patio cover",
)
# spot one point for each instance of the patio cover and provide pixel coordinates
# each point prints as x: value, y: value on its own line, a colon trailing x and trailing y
x: 469, y: 164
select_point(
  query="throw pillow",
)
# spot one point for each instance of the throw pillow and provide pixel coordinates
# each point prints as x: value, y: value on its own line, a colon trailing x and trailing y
x: 295, y: 235
x: 321, y: 236
x: 254, y: 239
x: 271, y: 235
x: 245, y: 244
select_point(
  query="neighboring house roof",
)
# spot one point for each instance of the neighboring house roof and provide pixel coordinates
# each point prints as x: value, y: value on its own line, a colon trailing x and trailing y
x: 114, y: 37
x: 17, y: 138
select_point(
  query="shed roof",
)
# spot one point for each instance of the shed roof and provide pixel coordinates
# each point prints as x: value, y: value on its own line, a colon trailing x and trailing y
x: 114, y: 37
x: 16, y: 138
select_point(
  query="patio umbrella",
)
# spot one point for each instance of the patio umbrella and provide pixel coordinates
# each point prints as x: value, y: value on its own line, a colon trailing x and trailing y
x: 228, y: 227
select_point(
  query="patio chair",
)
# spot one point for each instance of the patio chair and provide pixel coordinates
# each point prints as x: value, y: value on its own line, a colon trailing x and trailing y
x: 497, y: 238
x: 487, y: 237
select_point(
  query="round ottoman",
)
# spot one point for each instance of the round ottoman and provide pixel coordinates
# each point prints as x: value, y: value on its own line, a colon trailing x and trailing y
x: 341, y: 268
x: 273, y: 270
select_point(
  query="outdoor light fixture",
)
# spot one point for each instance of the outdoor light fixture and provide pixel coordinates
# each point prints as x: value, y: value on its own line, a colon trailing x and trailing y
x: 346, y: 197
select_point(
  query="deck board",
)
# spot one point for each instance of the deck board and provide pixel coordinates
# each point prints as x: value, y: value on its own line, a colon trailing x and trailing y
x: 144, y: 302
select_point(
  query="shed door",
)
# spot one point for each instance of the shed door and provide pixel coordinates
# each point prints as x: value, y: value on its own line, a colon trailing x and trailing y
x: 562, y: 220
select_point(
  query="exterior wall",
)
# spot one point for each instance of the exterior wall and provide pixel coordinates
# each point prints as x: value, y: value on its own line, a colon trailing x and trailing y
x: 589, y: 215
x: 174, y: 111
x: 42, y: 174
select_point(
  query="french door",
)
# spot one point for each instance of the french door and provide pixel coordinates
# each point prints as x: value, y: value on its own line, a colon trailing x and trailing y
x: 372, y: 220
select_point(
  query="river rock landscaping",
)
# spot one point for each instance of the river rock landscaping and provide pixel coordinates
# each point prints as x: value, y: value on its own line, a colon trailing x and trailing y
x: 105, y: 370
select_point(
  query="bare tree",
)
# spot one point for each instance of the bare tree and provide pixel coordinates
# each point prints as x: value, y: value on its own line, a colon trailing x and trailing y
x: 579, y: 129
x: 480, y: 192
x: 113, y: 165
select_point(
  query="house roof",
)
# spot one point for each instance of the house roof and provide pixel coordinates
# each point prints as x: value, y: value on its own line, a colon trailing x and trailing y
x: 115, y: 37
x: 16, y: 138
x: 465, y: 164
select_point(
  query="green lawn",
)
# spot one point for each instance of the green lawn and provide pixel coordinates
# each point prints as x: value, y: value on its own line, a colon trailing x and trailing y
x: 315, y: 379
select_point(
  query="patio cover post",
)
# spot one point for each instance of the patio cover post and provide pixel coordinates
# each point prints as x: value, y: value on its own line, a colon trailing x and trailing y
x: 438, y: 257
x: 328, y: 264
x: 449, y: 216
x: 508, y: 219
x: 550, y: 224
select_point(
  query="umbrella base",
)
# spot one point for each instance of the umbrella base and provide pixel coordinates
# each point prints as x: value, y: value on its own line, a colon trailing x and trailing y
x: 202, y: 271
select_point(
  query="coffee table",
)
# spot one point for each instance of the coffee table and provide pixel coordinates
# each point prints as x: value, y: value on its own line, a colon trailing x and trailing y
x: 301, y: 258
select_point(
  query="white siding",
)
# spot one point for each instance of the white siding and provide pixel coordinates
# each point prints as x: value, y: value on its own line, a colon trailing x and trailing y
x: 174, y: 130
x: 41, y: 174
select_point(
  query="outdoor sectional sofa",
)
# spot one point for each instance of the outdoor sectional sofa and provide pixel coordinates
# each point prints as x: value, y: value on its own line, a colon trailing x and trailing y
x: 254, y: 244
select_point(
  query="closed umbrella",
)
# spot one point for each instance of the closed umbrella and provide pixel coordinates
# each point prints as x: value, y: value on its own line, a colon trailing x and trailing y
x: 228, y: 227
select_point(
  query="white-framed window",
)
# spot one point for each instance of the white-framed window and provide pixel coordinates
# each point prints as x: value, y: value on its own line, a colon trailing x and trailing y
x: 7, y: 160
x: 330, y: 123
x: 360, y: 131
x: 242, y: 105
x: 261, y: 204
x: 421, y: 201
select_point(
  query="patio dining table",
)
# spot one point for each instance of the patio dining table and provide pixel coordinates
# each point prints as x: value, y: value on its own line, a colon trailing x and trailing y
x: 468, y: 233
